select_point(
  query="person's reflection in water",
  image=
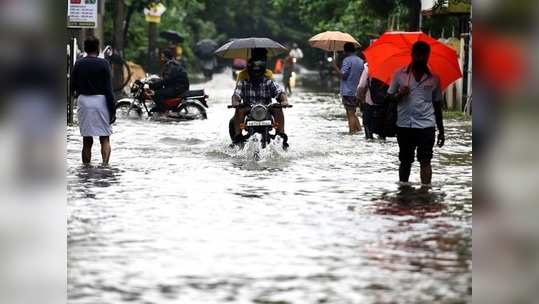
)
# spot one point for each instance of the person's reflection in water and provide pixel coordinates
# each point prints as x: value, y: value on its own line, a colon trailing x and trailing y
x: 101, y: 176
x: 408, y: 200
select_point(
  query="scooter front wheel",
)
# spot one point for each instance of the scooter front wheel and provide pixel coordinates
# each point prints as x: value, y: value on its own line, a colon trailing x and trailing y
x: 126, y: 109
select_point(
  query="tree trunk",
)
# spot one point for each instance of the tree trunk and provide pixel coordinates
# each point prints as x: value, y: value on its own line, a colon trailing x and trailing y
x: 118, y: 41
x: 130, y: 11
x: 415, y: 15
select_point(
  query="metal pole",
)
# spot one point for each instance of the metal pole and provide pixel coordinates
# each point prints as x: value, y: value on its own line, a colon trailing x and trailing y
x: 71, y: 61
x: 470, y: 65
x: 466, y: 56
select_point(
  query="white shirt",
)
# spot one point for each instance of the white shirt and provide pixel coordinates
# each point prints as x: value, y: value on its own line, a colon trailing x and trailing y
x: 364, y: 83
x: 417, y: 109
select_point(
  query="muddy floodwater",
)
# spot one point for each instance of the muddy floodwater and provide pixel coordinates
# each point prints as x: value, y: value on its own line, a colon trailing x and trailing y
x: 179, y: 217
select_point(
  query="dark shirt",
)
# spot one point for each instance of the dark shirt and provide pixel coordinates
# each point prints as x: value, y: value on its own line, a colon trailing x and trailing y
x: 92, y: 76
x: 174, y: 76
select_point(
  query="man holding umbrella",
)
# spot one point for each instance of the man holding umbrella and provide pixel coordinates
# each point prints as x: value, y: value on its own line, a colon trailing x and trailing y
x: 417, y: 91
x: 350, y: 73
x: 257, y: 86
x: 204, y: 51
x: 418, y: 68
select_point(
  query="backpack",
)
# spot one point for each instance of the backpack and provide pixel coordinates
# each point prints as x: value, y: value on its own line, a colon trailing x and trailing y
x: 390, y: 118
x: 378, y: 91
x: 385, y: 113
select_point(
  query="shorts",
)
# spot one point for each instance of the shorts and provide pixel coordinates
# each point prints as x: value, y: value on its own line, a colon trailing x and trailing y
x: 287, y: 73
x: 410, y: 139
x: 350, y: 102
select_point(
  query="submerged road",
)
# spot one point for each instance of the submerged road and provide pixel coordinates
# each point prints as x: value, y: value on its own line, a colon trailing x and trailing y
x: 179, y: 217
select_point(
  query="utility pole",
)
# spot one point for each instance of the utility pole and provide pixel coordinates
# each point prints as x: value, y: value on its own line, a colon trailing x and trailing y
x: 153, y: 13
x: 420, y: 21
x: 99, y: 33
x: 415, y: 15
x: 152, y: 47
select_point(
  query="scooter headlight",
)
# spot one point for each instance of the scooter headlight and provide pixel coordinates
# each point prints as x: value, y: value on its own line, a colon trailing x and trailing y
x: 259, y: 112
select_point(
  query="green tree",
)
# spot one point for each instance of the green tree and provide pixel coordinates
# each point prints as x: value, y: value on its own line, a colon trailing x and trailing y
x: 283, y: 20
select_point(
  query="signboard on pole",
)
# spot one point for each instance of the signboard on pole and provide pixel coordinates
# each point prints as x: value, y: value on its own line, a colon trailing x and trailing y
x: 154, y: 11
x: 82, y: 13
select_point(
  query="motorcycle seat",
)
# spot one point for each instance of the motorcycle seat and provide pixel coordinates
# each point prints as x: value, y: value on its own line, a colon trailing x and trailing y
x: 195, y: 93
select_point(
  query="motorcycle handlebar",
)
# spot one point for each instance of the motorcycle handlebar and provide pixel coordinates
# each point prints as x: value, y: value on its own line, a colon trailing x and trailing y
x: 278, y: 105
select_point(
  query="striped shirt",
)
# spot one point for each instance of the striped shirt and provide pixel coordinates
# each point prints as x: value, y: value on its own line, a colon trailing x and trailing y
x: 262, y: 92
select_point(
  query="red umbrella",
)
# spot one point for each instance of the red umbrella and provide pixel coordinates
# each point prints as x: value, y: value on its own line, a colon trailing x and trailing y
x: 393, y: 51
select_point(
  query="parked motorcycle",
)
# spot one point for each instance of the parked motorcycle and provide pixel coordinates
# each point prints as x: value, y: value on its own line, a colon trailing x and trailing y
x: 188, y: 106
x: 259, y: 123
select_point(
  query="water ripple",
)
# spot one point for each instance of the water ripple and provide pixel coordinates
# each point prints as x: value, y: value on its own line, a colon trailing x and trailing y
x: 180, y: 217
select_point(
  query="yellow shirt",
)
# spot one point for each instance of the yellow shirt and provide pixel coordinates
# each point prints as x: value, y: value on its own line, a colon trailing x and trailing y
x: 244, y: 75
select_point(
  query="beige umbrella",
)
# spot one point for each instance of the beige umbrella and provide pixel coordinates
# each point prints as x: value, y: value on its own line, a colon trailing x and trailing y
x: 332, y: 41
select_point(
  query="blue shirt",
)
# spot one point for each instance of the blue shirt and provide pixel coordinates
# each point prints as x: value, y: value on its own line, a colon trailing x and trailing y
x: 417, y: 109
x: 352, y: 68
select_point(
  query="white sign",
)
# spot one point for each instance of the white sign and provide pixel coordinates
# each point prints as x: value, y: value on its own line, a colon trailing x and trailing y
x: 82, y: 13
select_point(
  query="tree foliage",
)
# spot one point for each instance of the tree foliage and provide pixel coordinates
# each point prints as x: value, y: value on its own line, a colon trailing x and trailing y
x: 283, y: 20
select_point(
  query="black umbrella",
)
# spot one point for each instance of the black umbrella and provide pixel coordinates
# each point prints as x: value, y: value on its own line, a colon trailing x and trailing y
x: 172, y: 36
x: 241, y: 48
x: 205, y: 47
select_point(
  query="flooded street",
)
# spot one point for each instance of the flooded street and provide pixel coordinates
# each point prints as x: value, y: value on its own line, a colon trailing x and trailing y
x: 180, y: 217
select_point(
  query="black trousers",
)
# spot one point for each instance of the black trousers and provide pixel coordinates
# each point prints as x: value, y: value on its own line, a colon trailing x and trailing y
x: 411, y: 139
x: 369, y: 119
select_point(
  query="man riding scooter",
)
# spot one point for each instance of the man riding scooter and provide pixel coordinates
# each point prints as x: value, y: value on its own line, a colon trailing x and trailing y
x: 173, y: 83
x: 257, y: 87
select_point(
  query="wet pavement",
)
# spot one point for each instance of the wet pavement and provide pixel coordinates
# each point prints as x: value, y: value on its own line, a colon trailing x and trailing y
x: 179, y: 217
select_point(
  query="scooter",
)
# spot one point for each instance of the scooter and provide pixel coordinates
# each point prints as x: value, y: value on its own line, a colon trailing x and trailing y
x: 188, y: 106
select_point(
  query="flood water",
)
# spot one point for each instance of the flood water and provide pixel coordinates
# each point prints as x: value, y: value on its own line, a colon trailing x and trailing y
x: 179, y: 217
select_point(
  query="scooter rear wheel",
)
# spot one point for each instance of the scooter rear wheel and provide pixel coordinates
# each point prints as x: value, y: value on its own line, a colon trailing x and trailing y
x: 191, y: 111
